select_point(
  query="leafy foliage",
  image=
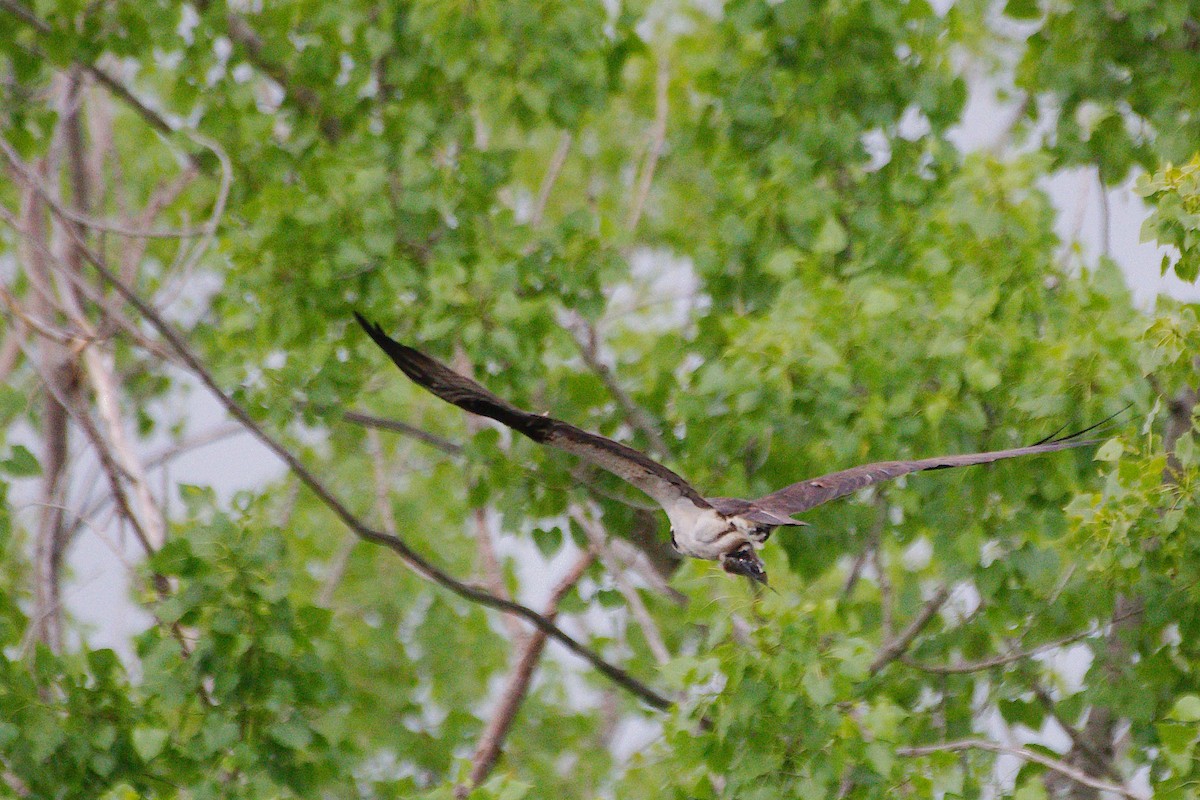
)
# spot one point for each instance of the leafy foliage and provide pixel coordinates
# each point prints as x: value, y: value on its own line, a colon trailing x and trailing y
x: 759, y: 213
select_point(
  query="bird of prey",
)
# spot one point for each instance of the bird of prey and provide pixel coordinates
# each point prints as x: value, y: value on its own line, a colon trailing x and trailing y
x: 727, y: 530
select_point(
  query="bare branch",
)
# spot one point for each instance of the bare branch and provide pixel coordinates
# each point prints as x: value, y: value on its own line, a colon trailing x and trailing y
x: 556, y: 165
x: 40, y: 250
x: 53, y: 364
x: 588, y: 341
x: 99, y: 369
x: 163, y: 457
x: 1078, y: 740
x: 873, y: 540
x: 487, y: 751
x: 104, y: 226
x: 658, y: 135
x: 1024, y: 753
x: 599, y: 541
x: 900, y: 644
x: 382, y: 423
x: 209, y: 230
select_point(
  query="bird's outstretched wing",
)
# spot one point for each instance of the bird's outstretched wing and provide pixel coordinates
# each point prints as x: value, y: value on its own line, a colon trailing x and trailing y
x: 623, y: 461
x: 813, y: 492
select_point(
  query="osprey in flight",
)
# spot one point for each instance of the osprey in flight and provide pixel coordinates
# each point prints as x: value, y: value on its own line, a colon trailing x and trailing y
x: 722, y: 529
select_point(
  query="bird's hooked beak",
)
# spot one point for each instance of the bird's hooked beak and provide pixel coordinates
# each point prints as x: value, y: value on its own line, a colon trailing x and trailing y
x: 744, y: 561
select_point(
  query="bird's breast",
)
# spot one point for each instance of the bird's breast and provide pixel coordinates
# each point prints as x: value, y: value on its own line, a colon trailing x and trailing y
x: 702, y: 532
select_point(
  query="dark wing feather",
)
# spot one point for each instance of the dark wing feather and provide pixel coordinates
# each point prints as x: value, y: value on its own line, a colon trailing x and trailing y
x: 811, y: 493
x: 623, y: 461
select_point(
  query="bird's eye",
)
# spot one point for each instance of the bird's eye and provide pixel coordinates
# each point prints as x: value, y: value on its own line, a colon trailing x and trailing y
x: 674, y: 544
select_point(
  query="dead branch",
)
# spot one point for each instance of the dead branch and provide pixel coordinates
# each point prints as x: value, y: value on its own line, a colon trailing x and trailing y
x: 552, y: 172
x: 599, y: 541
x: 41, y: 289
x: 487, y: 751
x: 53, y: 364
x: 382, y: 423
x: 480, y: 515
x: 92, y: 507
x: 898, y: 645
x: 587, y: 339
x: 1058, y: 766
x: 658, y: 135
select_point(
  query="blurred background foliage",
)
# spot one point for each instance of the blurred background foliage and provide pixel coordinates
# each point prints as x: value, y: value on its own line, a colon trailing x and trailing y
x: 742, y: 236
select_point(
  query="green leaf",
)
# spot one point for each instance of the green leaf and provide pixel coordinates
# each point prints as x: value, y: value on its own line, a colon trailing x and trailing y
x: 1186, y: 709
x: 831, y: 238
x: 21, y: 463
x: 149, y: 741
x: 293, y: 733
x: 548, y: 540
x: 1110, y: 450
x: 1022, y: 9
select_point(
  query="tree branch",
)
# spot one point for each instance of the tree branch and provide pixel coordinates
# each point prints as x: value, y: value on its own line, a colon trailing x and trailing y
x: 382, y: 423
x: 900, y: 644
x: 962, y: 667
x: 487, y: 751
x: 1062, y: 768
x: 556, y: 165
x: 587, y: 339
x: 599, y: 541
x: 658, y: 134
x: 1078, y: 741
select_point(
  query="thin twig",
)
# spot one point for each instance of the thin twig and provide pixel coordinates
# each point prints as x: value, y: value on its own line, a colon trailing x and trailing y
x: 157, y: 461
x: 658, y: 134
x: 552, y: 172
x: 1026, y: 754
x: 209, y: 230
x: 962, y: 667
x: 587, y: 339
x: 40, y: 250
x: 382, y: 423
